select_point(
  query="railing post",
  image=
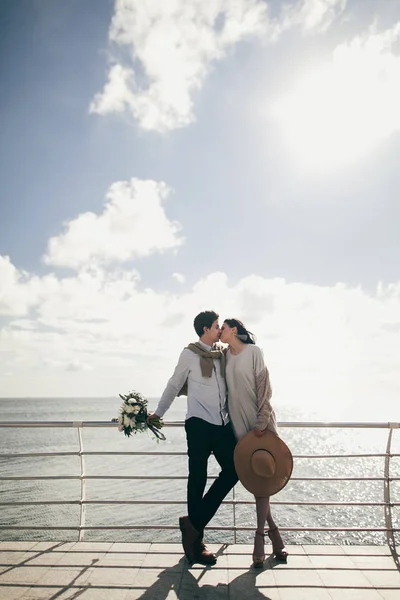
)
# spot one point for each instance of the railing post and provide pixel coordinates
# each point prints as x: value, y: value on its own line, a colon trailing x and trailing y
x: 388, y: 506
x: 82, y: 519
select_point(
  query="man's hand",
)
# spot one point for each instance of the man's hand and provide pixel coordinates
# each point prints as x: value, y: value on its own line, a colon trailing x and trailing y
x: 257, y: 432
x: 152, y: 417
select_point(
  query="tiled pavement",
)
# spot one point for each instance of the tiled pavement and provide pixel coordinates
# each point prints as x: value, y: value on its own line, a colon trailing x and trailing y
x: 126, y: 571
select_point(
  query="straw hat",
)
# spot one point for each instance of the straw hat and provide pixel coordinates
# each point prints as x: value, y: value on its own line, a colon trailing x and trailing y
x: 264, y: 464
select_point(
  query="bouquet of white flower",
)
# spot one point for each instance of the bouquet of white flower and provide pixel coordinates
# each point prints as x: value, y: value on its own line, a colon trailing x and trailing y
x: 134, y: 416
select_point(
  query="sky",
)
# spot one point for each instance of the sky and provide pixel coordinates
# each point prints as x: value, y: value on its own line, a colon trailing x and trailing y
x: 162, y: 158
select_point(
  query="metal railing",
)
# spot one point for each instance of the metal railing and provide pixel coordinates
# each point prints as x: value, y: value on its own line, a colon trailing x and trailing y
x: 386, y: 478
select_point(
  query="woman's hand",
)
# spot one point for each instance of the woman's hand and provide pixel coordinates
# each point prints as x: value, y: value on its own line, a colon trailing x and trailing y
x: 257, y: 432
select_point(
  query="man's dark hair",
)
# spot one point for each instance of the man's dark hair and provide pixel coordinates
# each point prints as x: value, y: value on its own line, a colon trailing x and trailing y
x: 204, y: 319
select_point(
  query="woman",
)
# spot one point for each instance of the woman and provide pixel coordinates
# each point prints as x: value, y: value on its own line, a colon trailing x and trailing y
x: 249, y: 394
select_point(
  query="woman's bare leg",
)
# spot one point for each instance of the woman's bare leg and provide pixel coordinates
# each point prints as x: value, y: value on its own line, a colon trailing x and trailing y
x: 262, y: 510
x: 274, y: 534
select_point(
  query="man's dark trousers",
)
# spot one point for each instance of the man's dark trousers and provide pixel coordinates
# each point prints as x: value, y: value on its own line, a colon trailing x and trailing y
x: 204, y: 438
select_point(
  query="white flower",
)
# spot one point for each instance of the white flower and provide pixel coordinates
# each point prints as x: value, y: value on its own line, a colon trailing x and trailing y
x: 127, y: 421
x: 129, y: 409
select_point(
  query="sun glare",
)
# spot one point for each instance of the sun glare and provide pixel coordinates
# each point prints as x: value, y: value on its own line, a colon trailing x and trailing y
x: 337, y: 112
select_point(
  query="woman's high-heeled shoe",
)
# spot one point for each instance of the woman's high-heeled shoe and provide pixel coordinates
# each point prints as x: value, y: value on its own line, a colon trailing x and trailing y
x: 258, y: 561
x: 278, y: 547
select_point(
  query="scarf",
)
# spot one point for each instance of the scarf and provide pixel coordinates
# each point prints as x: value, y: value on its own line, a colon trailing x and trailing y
x: 207, y: 358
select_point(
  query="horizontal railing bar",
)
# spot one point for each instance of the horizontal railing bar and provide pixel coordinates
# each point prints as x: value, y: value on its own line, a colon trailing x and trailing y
x: 345, y: 455
x: 228, y: 502
x: 318, y: 424
x: 179, y: 477
x: 35, y: 454
x: 39, y: 454
x: 174, y: 527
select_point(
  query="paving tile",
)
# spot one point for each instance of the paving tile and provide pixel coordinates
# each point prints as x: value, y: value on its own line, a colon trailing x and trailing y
x: 210, y: 576
x: 166, y: 549
x: 239, y: 549
x: 323, y: 550
x: 94, y: 593
x: 383, y: 578
x: 47, y: 546
x: 157, y: 577
x: 162, y: 595
x: 60, y: 577
x: 304, y: 593
x: 157, y: 583
x: 12, y: 558
x: 42, y: 593
x: 130, y: 547
x: 151, y: 561
x: 332, y: 561
x: 109, y: 576
x: 354, y: 594
x: 26, y: 575
x: 238, y: 561
x: 64, y: 547
x: 263, y: 593
x: 91, y: 546
x: 300, y: 561
x: 207, y: 585
x: 80, y: 559
x: 265, y: 578
x: 393, y: 594
x: 374, y: 562
x: 44, y: 559
x: 248, y: 585
x: 128, y: 559
x: 343, y: 578
x: 297, y: 578
x: 17, y: 545
x: 8, y: 592
x: 367, y: 550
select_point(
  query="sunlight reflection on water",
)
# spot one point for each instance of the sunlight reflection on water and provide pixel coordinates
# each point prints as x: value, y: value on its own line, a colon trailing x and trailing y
x: 300, y: 440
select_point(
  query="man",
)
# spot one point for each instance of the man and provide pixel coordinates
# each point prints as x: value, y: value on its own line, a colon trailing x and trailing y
x: 200, y: 375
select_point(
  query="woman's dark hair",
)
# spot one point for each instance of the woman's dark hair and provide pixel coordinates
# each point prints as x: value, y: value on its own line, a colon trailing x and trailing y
x: 204, y: 319
x: 243, y: 334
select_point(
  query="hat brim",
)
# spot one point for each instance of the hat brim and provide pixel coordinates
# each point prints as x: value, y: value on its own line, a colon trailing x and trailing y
x: 256, y: 484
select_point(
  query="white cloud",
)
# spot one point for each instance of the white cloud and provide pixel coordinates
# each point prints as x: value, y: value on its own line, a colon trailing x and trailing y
x: 342, y: 109
x: 97, y: 333
x: 178, y: 277
x: 132, y: 225
x: 175, y: 44
x: 170, y: 47
x: 117, y: 94
x: 310, y: 15
x: 11, y: 303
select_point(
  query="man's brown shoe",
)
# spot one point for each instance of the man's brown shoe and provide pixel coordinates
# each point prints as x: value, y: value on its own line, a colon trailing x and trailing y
x: 202, y: 555
x: 189, y: 537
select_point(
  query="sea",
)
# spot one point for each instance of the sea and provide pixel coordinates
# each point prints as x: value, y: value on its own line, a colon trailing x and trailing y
x: 302, y: 441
